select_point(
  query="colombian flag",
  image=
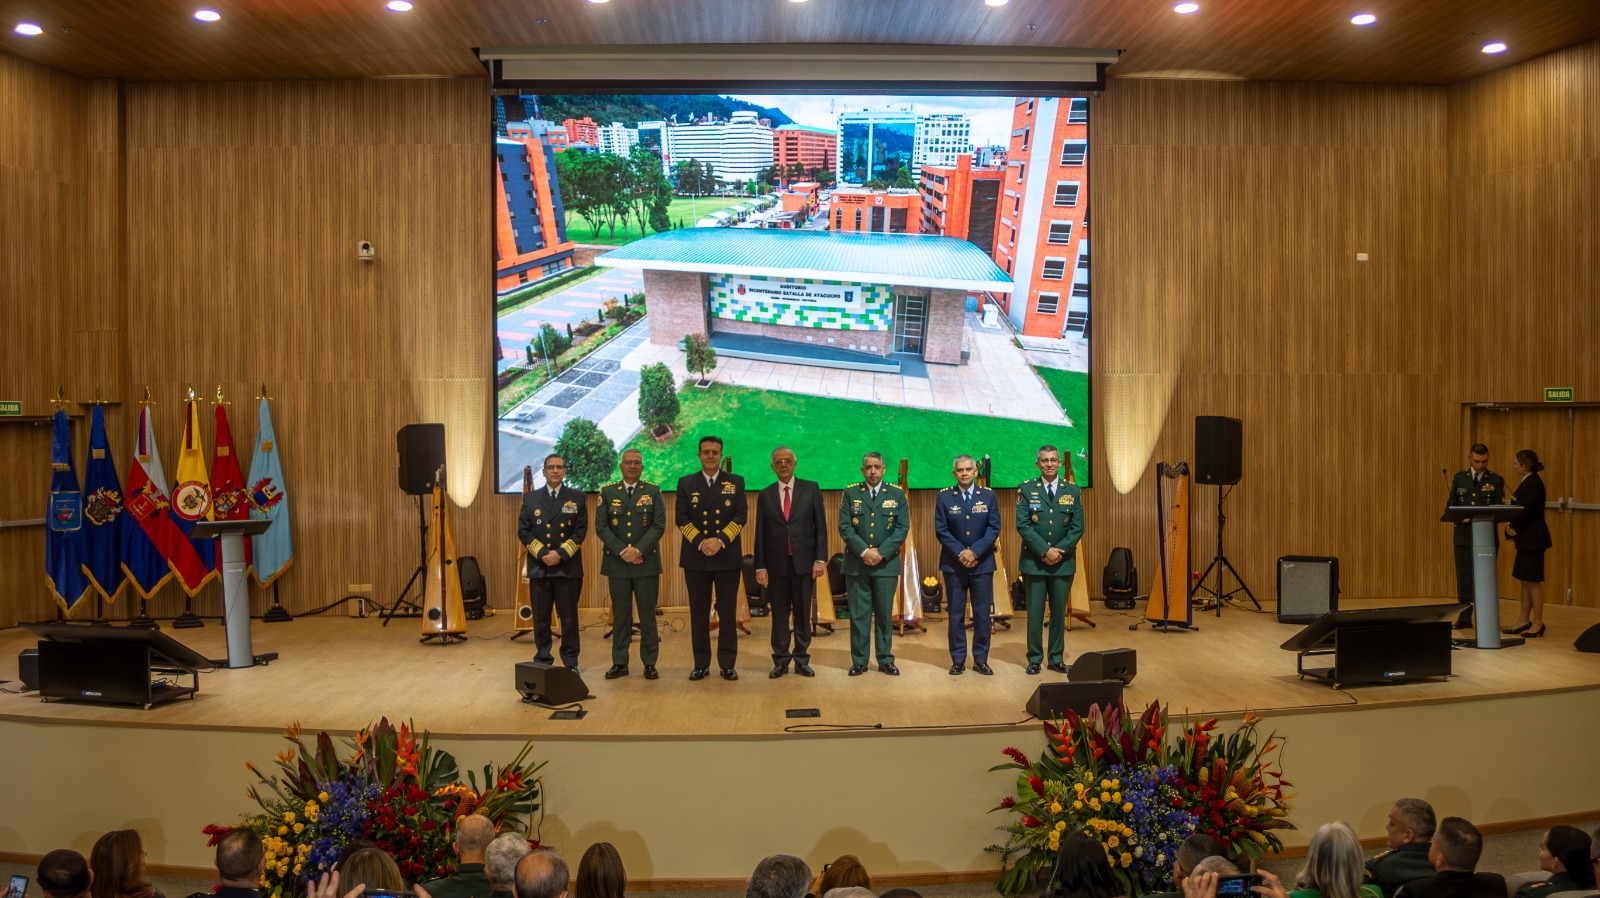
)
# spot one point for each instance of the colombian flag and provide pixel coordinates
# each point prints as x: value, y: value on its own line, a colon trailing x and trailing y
x: 153, y: 548
x: 191, y: 494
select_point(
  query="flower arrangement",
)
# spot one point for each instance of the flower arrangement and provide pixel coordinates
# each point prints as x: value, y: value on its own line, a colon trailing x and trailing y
x: 387, y: 786
x: 1138, y: 791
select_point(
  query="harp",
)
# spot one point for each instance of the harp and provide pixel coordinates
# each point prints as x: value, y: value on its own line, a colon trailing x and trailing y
x: 1078, y: 599
x: 741, y: 614
x: 443, y: 616
x: 522, y: 614
x: 1003, y: 609
x: 1169, y: 603
x: 908, y: 591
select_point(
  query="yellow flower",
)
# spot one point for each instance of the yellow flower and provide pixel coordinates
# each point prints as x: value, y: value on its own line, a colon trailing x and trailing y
x: 288, y: 816
x: 1105, y: 784
x: 1116, y: 797
x: 322, y: 797
x: 269, y: 858
x: 297, y: 869
x: 1127, y: 832
x: 1113, y: 842
x: 1094, y: 803
x: 1105, y: 796
x: 1061, y: 825
x: 1116, y: 784
x: 283, y: 830
x: 1077, y: 805
x: 1055, y: 807
x: 1127, y: 859
x: 299, y: 828
x: 1127, y: 806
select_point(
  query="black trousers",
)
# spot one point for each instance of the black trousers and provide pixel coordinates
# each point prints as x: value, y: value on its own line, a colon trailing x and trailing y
x: 791, y: 597
x: 562, y: 592
x: 701, y: 585
x: 1465, y: 588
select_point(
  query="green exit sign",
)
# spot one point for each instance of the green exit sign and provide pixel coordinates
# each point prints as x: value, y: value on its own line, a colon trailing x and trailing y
x: 10, y: 408
x: 1557, y: 394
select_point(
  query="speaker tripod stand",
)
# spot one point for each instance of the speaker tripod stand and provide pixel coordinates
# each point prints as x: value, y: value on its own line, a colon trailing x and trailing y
x: 1221, y: 566
x: 389, y: 613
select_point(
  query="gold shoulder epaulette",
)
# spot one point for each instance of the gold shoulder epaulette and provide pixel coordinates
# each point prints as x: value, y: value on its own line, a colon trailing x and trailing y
x: 856, y: 484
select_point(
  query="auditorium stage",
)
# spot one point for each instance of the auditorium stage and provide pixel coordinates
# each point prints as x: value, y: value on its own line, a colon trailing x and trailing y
x: 694, y: 782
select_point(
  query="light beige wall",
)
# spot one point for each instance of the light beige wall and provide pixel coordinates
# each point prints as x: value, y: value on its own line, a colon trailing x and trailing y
x: 687, y: 809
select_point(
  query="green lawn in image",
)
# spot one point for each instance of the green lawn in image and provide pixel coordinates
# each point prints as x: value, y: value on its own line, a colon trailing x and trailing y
x: 684, y: 209
x: 829, y: 436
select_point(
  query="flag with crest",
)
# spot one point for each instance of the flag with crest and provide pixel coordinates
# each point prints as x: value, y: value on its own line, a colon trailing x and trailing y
x: 153, y: 548
x: 191, y: 494
x: 273, y: 550
x: 228, y: 501
x: 63, y: 540
x: 102, y: 513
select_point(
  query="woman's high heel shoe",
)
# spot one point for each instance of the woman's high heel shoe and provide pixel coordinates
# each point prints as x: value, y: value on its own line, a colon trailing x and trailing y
x: 1512, y: 631
x: 1534, y: 634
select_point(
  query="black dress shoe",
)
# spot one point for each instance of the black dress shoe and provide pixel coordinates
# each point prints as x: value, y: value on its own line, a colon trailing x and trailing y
x: 729, y: 673
x: 857, y: 670
x: 778, y: 671
x: 1033, y: 670
x: 1534, y: 634
x: 1059, y: 667
x: 956, y: 669
x: 1515, y: 630
x: 650, y: 672
x: 699, y: 673
x: 889, y: 669
x: 983, y: 668
x: 617, y: 670
x: 572, y: 668
x: 804, y: 669
x: 1464, y: 624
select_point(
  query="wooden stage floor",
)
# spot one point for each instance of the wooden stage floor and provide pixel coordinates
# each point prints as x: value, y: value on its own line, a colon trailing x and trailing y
x: 339, y: 673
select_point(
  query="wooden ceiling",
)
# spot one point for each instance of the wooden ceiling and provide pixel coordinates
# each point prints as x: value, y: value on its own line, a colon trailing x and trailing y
x: 1414, y: 42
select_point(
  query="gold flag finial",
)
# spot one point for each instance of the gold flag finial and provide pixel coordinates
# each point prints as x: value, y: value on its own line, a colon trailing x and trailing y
x: 147, y: 400
x: 219, y: 400
x: 263, y: 393
x: 61, y: 401
x: 190, y: 390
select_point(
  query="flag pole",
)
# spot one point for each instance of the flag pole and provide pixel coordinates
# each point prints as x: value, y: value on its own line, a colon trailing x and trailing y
x: 144, y: 621
x: 277, y: 614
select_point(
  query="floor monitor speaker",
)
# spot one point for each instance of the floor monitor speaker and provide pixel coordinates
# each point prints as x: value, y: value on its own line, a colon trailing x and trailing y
x: 1111, y: 664
x: 1588, y: 640
x: 28, y: 669
x: 1308, y: 588
x: 1218, y: 449
x: 421, y: 448
x: 1051, y: 700
x: 549, y: 684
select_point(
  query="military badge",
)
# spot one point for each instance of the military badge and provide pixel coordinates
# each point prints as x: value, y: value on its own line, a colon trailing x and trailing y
x: 66, y: 511
x: 980, y: 508
x: 1068, y: 500
x: 854, y: 521
x: 645, y: 500
x: 146, y: 502
x: 728, y: 489
x: 956, y: 509
x: 264, y: 495
x: 1034, y: 519
x: 192, y: 499
x: 616, y: 501
x: 855, y: 505
x: 226, y: 500
x: 569, y: 508
x: 694, y: 498
x: 889, y: 503
x: 102, y: 506
x: 614, y: 522
x: 538, y: 512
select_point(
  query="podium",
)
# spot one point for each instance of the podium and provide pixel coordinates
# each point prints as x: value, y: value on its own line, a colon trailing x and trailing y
x: 1485, y: 581
x: 235, y: 587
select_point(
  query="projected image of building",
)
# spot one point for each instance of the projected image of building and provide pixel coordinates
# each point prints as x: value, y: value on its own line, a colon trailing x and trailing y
x: 876, y: 144
x: 810, y: 148
x: 940, y: 139
x: 530, y: 224
x: 893, y: 211
x: 655, y: 136
x: 962, y: 200
x: 737, y: 149
x: 617, y: 138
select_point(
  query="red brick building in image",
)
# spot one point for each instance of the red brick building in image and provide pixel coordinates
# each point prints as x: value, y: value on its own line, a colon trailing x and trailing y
x: 530, y: 229
x: 1042, y: 237
x: 582, y: 130
x: 813, y: 148
x: 891, y: 211
x: 963, y: 202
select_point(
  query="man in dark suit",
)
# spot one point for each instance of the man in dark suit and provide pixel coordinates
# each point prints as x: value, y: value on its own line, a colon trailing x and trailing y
x: 553, y: 523
x: 241, y: 859
x: 791, y: 553
x: 630, y: 522
x: 966, y: 518
x: 711, y: 512
x: 1455, y: 850
x: 1477, y: 485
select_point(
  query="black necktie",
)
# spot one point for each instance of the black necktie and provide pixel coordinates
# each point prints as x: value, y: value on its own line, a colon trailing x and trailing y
x: 1050, y: 491
x: 630, y: 492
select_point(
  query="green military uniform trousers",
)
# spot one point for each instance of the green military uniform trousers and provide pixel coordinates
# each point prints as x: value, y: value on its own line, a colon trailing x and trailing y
x: 625, y: 591
x: 871, y: 609
x: 1056, y: 591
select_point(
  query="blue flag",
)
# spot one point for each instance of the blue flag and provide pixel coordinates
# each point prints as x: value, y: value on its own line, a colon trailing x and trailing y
x: 146, y: 519
x: 102, y: 513
x: 274, y: 550
x: 63, y: 540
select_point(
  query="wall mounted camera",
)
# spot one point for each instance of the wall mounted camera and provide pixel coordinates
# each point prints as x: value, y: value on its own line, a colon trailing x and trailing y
x: 365, y: 252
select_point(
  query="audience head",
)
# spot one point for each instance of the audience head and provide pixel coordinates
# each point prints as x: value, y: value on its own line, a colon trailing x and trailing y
x: 1410, y: 820
x: 1457, y: 845
x: 779, y: 876
x: 849, y: 892
x: 501, y: 857
x: 845, y: 871
x: 901, y: 892
x: 473, y: 835
x: 350, y: 848
x: 373, y: 868
x: 241, y: 858
x: 1568, y: 849
x: 1082, y: 870
x: 64, y: 873
x: 117, y: 860
x: 600, y: 873
x: 1217, y: 864
x: 542, y: 874
x: 1334, y: 862
x: 1194, y: 849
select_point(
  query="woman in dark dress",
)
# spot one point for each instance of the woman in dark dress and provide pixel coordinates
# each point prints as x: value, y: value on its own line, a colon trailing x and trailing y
x: 1529, y: 533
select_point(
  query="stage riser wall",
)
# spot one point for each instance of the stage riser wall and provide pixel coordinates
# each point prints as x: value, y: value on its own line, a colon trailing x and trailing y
x: 222, y: 220
x: 906, y: 804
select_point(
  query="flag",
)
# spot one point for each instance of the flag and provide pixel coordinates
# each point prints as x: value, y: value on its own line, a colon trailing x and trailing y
x: 63, y: 539
x: 102, y: 513
x: 227, y: 483
x: 153, y: 547
x: 191, y: 495
x: 274, y: 550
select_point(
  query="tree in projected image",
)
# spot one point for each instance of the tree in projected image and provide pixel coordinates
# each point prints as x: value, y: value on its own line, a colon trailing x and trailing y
x: 590, y: 457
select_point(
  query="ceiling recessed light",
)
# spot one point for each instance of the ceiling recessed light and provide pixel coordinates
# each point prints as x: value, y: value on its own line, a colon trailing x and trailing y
x: 1365, y: 18
x: 597, y: 1
x: 399, y: 5
x: 1186, y: 8
x: 995, y: 2
x: 207, y: 15
x: 28, y: 29
x: 1495, y: 47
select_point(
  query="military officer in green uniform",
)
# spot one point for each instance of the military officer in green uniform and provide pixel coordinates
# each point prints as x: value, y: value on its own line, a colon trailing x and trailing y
x: 1477, y: 485
x: 1050, y: 523
x: 630, y: 522
x: 1569, y: 854
x: 1410, y: 834
x: 873, y: 524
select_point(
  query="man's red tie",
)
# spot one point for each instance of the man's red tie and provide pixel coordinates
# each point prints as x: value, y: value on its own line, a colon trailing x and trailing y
x: 788, y: 538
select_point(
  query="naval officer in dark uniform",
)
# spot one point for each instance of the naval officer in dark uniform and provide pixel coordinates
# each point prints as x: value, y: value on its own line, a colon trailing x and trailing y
x: 966, y: 518
x: 711, y: 512
x: 1049, y: 523
x: 1477, y: 485
x: 629, y: 522
x: 553, y: 523
x: 873, y: 524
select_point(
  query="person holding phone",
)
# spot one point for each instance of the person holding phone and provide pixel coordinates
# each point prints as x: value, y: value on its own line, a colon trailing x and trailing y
x: 18, y: 887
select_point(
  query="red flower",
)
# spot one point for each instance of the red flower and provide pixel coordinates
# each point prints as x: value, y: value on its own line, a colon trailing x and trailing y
x: 1031, y: 822
x: 1036, y: 784
x: 1019, y: 757
x: 1008, y: 802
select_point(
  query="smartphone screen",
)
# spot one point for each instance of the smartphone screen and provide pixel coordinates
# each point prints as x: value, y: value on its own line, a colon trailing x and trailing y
x: 1237, y: 886
x: 18, y: 887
